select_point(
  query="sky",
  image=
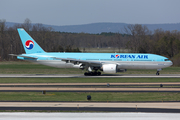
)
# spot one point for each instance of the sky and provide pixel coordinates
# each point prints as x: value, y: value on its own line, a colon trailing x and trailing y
x: 77, y: 12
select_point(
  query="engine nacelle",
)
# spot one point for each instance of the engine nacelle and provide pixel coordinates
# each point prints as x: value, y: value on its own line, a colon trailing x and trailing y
x: 112, y: 68
x: 109, y: 68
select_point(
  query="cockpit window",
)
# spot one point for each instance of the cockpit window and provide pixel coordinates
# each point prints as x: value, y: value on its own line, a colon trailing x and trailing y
x: 166, y: 60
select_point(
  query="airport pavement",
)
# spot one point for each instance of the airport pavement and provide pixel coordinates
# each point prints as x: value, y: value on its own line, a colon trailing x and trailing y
x: 87, y: 116
x: 76, y: 89
x: 169, y: 107
x: 91, y: 84
x: 136, y: 105
x: 82, y: 76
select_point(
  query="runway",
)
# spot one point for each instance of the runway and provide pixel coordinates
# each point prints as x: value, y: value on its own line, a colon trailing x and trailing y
x: 90, y: 84
x: 172, y: 107
x: 75, y: 89
x: 87, y: 116
x: 82, y: 76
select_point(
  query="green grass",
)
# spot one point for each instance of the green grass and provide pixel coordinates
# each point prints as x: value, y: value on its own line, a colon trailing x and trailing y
x: 22, y: 67
x: 32, y: 68
x: 86, y: 80
x: 105, y: 96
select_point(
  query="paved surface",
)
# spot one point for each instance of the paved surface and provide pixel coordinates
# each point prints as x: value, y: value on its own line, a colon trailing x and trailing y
x: 88, y: 84
x: 82, y: 76
x: 88, y: 116
x: 73, y: 89
x: 169, y: 107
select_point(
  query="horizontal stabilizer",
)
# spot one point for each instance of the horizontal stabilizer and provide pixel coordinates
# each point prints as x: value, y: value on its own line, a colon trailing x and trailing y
x: 23, y: 56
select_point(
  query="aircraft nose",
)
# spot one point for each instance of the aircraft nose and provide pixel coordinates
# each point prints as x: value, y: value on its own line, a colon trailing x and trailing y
x: 170, y: 63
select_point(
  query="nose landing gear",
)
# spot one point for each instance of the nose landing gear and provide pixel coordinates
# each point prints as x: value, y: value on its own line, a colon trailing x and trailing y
x: 157, y: 73
x: 158, y: 70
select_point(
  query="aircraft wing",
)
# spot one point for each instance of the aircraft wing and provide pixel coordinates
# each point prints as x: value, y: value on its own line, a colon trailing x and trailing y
x: 72, y: 60
x: 23, y: 56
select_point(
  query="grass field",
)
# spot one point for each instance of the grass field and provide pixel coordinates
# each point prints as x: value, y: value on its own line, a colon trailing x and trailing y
x: 98, y: 96
x: 32, y: 68
x: 86, y: 80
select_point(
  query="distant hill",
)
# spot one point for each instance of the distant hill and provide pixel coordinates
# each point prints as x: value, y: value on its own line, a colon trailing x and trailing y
x: 104, y: 27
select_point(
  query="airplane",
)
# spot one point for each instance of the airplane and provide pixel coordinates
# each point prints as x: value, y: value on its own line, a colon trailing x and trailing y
x: 93, y: 63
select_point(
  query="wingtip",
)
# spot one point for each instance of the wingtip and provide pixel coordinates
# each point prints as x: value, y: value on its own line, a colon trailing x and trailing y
x: 20, y: 28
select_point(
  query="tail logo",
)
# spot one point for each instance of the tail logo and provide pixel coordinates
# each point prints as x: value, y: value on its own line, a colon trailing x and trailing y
x: 29, y: 44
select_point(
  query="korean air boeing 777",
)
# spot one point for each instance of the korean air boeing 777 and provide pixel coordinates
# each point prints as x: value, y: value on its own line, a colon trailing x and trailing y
x: 92, y: 62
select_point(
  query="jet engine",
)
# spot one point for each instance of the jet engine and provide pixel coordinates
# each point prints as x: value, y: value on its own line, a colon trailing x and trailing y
x: 109, y: 68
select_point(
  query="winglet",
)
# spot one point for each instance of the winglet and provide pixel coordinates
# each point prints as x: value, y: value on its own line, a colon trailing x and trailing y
x: 30, y: 46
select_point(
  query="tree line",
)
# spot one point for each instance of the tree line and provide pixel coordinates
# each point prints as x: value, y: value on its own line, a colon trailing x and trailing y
x: 136, y: 38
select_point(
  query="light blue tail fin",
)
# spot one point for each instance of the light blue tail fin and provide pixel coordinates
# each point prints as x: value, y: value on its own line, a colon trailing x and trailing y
x: 30, y: 46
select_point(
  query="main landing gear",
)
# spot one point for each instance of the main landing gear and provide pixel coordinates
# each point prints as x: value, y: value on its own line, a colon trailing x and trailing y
x: 92, y: 73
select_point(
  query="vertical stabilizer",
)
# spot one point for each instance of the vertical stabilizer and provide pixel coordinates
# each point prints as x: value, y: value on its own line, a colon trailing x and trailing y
x: 30, y: 46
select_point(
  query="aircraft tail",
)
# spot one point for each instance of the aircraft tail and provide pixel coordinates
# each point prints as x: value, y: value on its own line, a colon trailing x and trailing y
x: 30, y: 46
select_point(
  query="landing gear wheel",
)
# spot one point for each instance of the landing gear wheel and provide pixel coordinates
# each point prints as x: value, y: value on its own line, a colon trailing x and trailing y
x: 92, y: 73
x: 98, y: 73
x: 157, y: 73
x: 88, y: 74
x: 85, y: 74
x: 95, y: 73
